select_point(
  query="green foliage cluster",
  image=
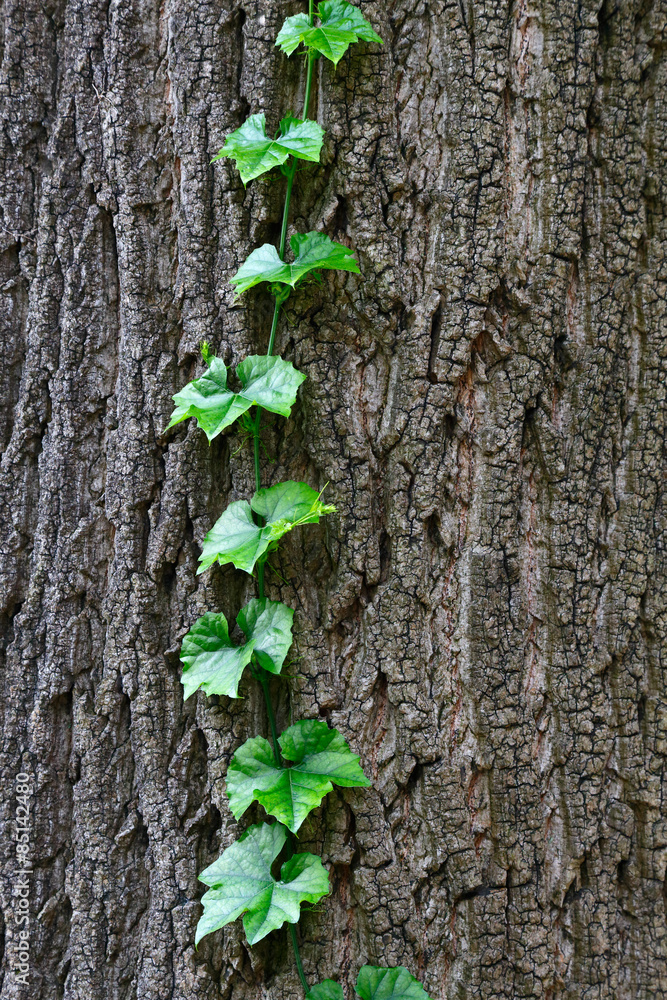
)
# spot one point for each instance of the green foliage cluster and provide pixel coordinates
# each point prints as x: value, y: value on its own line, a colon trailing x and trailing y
x: 290, y: 775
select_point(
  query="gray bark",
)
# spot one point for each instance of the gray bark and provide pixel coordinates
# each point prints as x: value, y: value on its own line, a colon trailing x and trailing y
x: 484, y: 618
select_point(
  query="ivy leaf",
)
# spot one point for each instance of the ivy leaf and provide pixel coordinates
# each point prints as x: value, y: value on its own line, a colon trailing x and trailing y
x: 341, y: 24
x: 376, y: 983
x: 237, y: 539
x: 312, y: 252
x: 268, y: 626
x: 254, y: 152
x: 315, y: 251
x: 321, y: 759
x: 241, y: 882
x: 234, y: 538
x: 326, y: 990
x: 212, y: 661
x: 263, y: 264
x: 209, y: 400
x: 291, y: 34
x: 269, y: 382
x: 290, y: 501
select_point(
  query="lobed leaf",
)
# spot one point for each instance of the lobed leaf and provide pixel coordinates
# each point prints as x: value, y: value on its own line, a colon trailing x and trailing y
x: 212, y: 661
x: 312, y: 252
x: 236, y: 538
x: 241, y: 883
x: 377, y: 983
x: 269, y: 382
x: 326, y: 990
x: 268, y: 626
x: 254, y: 152
x: 263, y: 264
x: 321, y: 758
x: 341, y: 24
x: 292, y: 32
x: 291, y: 501
x: 209, y: 400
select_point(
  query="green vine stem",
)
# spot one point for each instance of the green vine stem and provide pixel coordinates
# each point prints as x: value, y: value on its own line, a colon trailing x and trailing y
x: 297, y: 959
x: 291, y: 170
x: 278, y: 299
x: 291, y: 775
x: 263, y: 679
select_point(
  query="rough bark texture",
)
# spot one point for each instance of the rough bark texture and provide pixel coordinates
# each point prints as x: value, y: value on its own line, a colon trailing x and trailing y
x: 484, y: 617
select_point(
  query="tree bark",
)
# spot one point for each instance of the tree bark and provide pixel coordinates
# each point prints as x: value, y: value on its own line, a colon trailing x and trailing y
x: 484, y: 618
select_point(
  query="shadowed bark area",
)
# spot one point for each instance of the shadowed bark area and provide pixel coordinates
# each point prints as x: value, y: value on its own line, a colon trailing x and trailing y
x: 484, y: 617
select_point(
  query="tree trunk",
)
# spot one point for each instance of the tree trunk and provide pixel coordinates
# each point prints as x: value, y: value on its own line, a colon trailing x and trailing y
x: 483, y: 618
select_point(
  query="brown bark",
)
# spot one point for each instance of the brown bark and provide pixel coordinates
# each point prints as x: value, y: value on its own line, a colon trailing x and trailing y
x: 485, y: 617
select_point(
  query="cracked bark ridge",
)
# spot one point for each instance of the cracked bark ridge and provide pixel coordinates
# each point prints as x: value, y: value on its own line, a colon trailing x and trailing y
x: 484, y: 619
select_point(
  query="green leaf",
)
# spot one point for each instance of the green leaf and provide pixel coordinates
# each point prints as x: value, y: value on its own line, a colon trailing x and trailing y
x: 312, y: 252
x: 321, y: 758
x: 263, y: 264
x: 209, y: 400
x: 341, y: 24
x: 268, y: 626
x: 376, y: 983
x: 241, y: 882
x: 268, y: 382
x: 234, y: 538
x: 254, y: 152
x: 211, y: 660
x: 326, y: 990
x: 292, y: 32
x: 290, y: 501
x: 237, y: 539
x: 315, y: 251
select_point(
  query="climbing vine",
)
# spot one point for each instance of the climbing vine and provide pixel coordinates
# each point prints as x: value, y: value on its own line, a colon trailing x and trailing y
x: 290, y: 774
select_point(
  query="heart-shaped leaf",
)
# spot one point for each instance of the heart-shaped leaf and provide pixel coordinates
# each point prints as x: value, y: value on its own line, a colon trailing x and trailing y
x: 241, y: 882
x: 326, y: 990
x: 312, y: 252
x: 376, y: 983
x: 211, y: 660
x: 268, y: 382
x: 237, y: 539
x: 341, y: 24
x: 255, y: 152
x: 321, y: 758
